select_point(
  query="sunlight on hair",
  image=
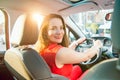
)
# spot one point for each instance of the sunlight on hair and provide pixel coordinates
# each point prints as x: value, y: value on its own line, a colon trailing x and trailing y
x: 38, y: 18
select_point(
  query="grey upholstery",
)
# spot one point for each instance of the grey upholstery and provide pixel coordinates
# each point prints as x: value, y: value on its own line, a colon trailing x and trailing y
x: 109, y: 69
x: 105, y: 70
x: 23, y: 61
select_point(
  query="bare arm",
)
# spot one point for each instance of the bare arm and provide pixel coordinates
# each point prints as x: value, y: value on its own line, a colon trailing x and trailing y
x: 69, y: 56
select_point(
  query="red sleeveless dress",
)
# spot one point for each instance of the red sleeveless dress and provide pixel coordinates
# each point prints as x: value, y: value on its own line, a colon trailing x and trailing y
x: 68, y: 70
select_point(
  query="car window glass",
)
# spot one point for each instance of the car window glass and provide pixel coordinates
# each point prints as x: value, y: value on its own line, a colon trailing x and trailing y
x: 70, y: 35
x: 2, y: 32
x: 93, y: 22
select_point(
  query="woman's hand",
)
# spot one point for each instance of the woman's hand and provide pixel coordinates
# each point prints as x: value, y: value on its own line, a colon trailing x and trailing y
x: 80, y: 40
x: 75, y: 43
x: 97, y: 43
x: 96, y: 47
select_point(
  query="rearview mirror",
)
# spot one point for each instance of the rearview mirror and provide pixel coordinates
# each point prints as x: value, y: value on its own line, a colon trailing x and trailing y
x: 108, y: 16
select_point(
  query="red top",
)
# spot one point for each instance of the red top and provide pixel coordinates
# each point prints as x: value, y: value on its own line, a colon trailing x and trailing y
x: 68, y: 70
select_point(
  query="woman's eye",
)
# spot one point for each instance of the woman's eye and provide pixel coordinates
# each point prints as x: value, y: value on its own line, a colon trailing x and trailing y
x: 55, y: 28
x: 52, y: 28
x: 61, y: 27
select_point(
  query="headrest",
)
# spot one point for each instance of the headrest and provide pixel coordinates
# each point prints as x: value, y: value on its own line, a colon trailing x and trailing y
x: 25, y: 31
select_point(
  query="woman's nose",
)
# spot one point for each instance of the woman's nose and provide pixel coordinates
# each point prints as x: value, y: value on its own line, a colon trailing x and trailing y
x: 58, y: 31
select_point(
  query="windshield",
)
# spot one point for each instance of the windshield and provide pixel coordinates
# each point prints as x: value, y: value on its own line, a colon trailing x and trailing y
x: 93, y: 23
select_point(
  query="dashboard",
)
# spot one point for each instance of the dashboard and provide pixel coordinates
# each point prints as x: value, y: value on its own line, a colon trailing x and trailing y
x: 106, y: 49
x: 105, y: 40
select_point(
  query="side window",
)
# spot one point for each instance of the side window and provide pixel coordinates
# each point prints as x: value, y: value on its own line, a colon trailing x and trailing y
x: 2, y: 31
x: 71, y: 36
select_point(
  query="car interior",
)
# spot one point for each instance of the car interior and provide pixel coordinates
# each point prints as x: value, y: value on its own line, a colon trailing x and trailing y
x: 19, y: 60
x: 30, y: 64
x: 110, y: 67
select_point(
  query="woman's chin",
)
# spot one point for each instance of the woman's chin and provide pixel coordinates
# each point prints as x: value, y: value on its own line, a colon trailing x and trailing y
x: 59, y: 41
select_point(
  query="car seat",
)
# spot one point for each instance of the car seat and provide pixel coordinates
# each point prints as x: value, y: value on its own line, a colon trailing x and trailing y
x: 21, y: 59
x: 108, y: 69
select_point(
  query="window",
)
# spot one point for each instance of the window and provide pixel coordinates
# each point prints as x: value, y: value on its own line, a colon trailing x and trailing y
x: 2, y: 31
x: 93, y: 22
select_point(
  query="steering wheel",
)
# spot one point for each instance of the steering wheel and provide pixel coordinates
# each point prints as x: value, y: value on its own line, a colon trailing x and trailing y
x: 92, y: 60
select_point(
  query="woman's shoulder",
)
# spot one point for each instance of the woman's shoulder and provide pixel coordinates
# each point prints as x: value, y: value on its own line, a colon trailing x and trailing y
x: 52, y: 48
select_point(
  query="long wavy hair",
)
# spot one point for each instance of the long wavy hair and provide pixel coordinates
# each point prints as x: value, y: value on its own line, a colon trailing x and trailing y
x: 43, y: 40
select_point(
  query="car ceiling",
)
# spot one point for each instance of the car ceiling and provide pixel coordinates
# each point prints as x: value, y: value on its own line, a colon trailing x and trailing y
x: 63, y: 7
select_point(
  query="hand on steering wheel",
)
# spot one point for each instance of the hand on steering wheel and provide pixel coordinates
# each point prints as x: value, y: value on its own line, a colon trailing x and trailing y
x: 90, y: 61
x: 99, y: 45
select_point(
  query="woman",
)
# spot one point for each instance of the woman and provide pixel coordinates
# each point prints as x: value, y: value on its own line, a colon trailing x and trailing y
x: 52, y: 45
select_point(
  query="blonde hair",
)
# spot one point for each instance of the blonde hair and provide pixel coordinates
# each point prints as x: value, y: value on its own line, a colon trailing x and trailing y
x: 43, y: 40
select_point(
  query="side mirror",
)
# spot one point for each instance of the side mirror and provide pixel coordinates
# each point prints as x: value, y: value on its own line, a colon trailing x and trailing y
x: 108, y: 16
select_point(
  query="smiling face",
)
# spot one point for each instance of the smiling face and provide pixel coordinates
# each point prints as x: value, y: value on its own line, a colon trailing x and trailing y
x: 55, y: 30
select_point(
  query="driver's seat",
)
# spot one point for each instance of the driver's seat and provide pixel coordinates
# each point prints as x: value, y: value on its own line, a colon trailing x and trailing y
x: 22, y: 60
